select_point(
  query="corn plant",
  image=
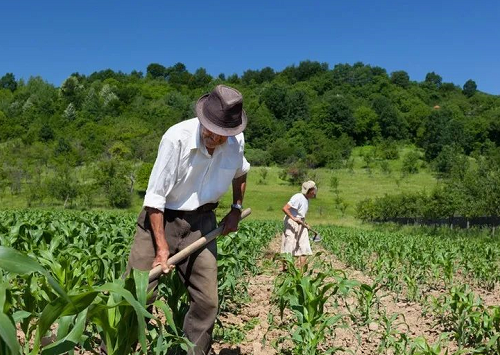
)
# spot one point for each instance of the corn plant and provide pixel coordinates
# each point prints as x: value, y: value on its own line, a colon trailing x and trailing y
x: 305, y: 292
x: 469, y: 321
x: 389, y: 334
x: 116, y: 309
x: 8, y: 339
x: 420, y: 346
x: 367, y: 300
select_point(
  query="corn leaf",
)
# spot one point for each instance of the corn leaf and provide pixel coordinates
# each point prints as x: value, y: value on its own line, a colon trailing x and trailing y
x: 69, y: 341
x: 16, y: 262
x: 139, y: 309
x: 60, y: 308
x: 8, y: 333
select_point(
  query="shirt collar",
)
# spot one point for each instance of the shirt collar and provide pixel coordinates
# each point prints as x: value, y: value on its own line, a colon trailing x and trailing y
x: 195, y: 140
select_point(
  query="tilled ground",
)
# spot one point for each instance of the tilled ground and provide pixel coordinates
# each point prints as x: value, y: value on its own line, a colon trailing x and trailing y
x: 354, y: 337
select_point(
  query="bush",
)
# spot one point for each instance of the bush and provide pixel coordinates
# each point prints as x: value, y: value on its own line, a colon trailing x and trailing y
x: 295, y: 173
x: 387, y: 150
x: 258, y: 157
x: 142, y: 178
x: 263, y: 176
x: 63, y: 185
x: 410, y: 163
x: 450, y: 160
x: 118, y: 194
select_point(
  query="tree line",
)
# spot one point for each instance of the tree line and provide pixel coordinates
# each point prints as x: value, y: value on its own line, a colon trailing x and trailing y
x: 100, y: 132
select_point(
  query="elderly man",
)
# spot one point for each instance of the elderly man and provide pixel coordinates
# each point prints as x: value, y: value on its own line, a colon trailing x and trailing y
x: 295, y: 238
x: 197, y: 161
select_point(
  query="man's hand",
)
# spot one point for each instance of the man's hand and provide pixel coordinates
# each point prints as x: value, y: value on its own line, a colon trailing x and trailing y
x: 231, y: 221
x: 299, y: 221
x: 162, y: 251
x: 161, y: 259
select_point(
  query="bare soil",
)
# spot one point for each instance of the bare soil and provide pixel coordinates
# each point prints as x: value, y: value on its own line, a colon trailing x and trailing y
x: 355, y: 338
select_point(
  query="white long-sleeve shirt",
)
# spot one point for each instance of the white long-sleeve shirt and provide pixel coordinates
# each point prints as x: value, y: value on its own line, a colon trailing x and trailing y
x: 185, y: 176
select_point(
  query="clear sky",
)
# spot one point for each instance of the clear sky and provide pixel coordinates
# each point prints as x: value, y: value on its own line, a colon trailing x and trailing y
x: 457, y: 39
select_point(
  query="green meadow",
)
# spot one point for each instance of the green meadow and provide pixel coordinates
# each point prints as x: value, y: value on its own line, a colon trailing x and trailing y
x: 267, y: 193
x: 266, y: 197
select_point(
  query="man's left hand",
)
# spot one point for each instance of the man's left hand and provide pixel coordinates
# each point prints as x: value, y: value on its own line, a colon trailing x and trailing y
x: 231, y: 221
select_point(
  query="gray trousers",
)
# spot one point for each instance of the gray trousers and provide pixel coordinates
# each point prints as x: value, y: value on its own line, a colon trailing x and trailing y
x: 198, y: 272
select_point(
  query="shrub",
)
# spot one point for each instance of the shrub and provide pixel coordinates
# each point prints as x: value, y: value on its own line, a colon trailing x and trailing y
x: 118, y: 194
x: 388, y: 150
x: 258, y: 157
x: 294, y: 174
x: 410, y: 163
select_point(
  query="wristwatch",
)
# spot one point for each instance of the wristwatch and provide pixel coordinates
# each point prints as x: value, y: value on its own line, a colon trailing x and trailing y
x: 237, y: 206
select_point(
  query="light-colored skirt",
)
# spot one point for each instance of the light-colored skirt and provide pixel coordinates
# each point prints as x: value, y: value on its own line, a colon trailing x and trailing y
x: 295, y: 239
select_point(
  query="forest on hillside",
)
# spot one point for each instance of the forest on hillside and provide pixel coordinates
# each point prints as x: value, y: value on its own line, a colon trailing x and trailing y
x: 101, y: 132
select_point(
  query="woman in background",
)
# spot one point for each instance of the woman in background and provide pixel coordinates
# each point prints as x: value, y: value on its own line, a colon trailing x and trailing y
x: 296, y: 234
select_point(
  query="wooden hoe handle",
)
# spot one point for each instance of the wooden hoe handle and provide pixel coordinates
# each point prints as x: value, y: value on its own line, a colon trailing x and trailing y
x: 190, y: 249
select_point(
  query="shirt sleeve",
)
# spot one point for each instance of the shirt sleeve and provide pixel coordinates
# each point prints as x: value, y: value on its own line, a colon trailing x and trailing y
x: 294, y: 202
x: 245, y: 167
x: 164, y: 173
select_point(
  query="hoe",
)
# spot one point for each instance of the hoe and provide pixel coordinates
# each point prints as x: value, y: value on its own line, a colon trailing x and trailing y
x: 190, y: 249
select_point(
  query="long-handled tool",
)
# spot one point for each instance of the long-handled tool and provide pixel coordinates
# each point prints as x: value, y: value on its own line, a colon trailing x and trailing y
x: 316, y: 237
x: 190, y: 249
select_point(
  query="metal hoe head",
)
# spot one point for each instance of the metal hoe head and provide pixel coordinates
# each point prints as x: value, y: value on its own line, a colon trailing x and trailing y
x: 316, y: 237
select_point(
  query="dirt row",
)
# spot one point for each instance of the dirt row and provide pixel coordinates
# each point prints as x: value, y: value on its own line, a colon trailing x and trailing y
x: 412, y: 318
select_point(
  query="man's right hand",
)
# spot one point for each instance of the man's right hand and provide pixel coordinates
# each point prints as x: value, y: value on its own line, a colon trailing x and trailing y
x: 298, y: 221
x: 162, y: 260
x: 163, y: 252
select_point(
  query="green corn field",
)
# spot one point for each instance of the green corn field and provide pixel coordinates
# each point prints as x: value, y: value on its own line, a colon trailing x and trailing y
x: 62, y: 291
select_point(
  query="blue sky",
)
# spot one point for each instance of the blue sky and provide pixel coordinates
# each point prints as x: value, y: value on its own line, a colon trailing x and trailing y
x: 458, y: 40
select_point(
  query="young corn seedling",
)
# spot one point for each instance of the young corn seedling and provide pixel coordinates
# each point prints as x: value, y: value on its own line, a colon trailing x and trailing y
x: 367, y: 300
x: 305, y: 292
x: 389, y: 333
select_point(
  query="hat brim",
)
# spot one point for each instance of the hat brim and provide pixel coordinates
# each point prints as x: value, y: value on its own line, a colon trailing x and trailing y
x: 212, y: 127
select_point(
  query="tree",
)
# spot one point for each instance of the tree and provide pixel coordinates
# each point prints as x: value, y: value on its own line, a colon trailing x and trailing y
x: 262, y: 128
x: 336, y: 116
x: 400, y: 78
x: 46, y: 133
x: 469, y: 88
x: 8, y: 81
x: 304, y: 71
x: 63, y: 186
x: 258, y: 76
x: 113, y: 176
x: 392, y: 124
x: 286, y: 105
x: 199, y: 79
x: 178, y: 74
x: 367, y: 128
x: 70, y: 112
x: 142, y: 178
x: 433, y: 79
x: 71, y: 91
x: 156, y: 71
x: 440, y: 130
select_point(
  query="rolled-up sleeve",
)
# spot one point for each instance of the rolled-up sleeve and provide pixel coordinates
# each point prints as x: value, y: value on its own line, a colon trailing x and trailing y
x: 245, y: 167
x: 164, y: 173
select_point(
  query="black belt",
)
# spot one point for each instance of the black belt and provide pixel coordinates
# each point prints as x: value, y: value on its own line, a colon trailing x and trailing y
x: 207, y: 207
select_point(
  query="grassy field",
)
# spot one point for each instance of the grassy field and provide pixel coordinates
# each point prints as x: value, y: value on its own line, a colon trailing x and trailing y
x: 266, y: 198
